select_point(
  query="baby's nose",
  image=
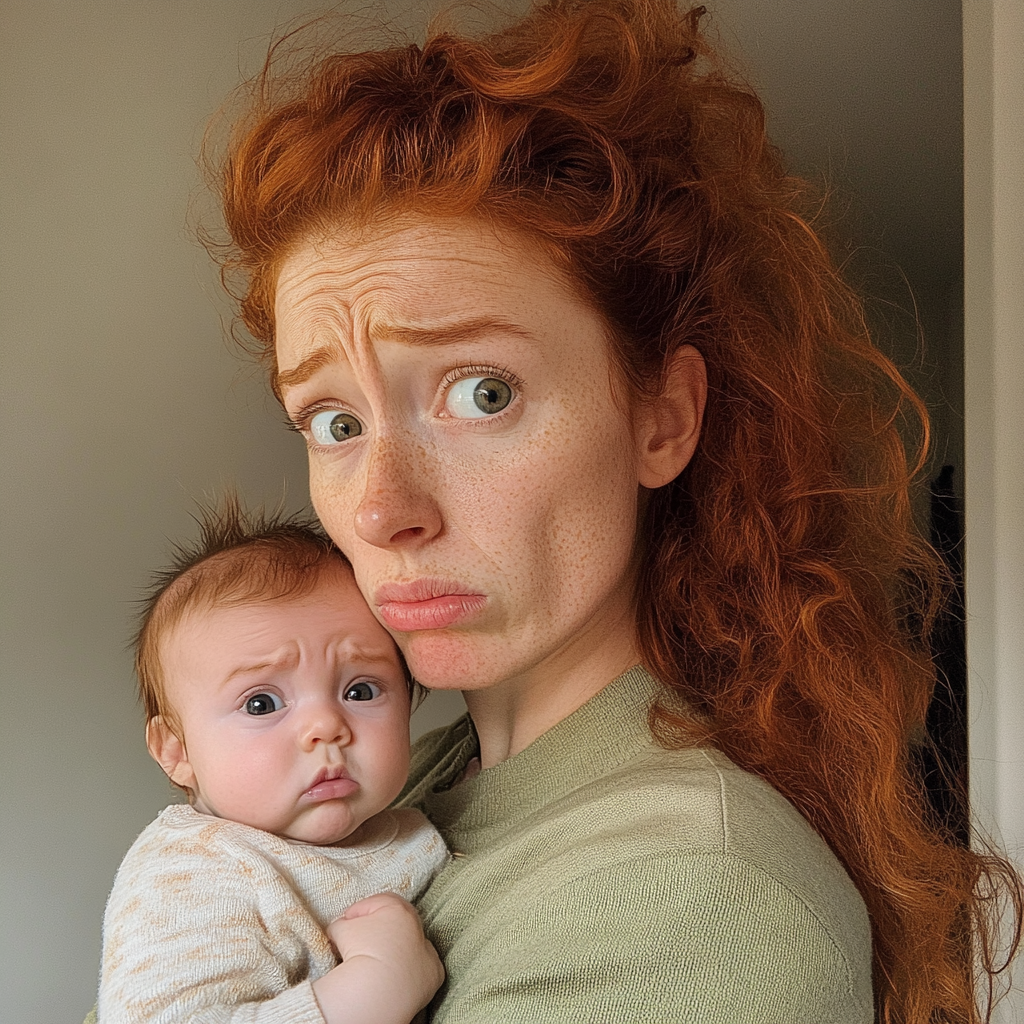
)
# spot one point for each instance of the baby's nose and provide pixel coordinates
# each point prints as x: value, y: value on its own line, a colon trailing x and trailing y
x: 325, y: 722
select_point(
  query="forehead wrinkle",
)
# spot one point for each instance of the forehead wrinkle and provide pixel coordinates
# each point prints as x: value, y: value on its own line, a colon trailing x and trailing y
x: 327, y: 331
x: 344, y: 300
x: 320, y: 308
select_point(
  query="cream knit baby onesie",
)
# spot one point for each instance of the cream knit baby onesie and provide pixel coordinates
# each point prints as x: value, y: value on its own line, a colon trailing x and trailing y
x: 211, y: 922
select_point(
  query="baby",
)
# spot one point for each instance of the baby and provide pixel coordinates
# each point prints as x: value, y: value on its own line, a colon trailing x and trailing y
x: 276, y: 700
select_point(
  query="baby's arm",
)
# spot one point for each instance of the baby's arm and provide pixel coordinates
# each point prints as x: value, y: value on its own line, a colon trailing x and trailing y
x: 388, y: 970
x: 202, y: 930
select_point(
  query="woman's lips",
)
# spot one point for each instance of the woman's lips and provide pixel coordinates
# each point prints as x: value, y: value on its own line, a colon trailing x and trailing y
x: 426, y: 604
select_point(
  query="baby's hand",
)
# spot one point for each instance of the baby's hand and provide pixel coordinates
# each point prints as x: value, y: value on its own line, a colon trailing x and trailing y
x: 388, y: 970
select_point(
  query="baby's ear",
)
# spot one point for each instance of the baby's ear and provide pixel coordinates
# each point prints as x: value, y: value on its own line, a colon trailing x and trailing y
x: 169, y: 752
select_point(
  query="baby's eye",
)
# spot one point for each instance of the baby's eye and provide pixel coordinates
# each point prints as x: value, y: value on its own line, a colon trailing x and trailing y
x: 476, y: 397
x: 263, y: 704
x: 332, y: 427
x: 362, y: 691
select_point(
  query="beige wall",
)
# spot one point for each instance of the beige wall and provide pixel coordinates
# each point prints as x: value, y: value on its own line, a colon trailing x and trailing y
x: 121, y: 401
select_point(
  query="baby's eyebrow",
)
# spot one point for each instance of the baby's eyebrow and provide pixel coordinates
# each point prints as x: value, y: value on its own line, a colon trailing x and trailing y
x: 369, y: 658
x: 258, y: 666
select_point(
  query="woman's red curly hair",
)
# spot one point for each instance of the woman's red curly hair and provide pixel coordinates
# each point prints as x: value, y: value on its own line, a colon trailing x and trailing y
x: 784, y: 591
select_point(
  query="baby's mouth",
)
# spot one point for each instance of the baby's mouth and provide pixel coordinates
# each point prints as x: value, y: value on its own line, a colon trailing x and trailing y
x: 331, y: 783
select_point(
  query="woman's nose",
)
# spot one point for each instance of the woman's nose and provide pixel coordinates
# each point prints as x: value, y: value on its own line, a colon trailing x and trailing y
x: 324, y: 722
x: 398, y: 505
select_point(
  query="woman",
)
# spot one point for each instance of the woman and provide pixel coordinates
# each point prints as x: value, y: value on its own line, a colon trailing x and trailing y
x: 606, y: 440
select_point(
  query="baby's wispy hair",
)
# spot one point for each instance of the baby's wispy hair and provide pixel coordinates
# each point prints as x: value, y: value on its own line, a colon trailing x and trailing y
x: 239, y: 557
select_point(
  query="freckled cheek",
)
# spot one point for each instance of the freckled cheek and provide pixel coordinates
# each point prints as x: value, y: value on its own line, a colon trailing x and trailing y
x: 335, y: 500
x: 576, y: 476
x: 493, y: 500
x: 593, y: 508
x: 557, y: 515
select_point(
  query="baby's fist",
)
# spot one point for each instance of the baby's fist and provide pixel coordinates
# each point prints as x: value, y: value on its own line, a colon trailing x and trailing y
x: 385, y: 958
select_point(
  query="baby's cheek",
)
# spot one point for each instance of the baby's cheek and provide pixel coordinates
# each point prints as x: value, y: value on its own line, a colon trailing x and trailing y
x: 254, y: 780
x: 397, y: 757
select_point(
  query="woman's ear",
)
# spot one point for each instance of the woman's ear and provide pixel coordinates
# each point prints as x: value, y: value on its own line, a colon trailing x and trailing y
x: 169, y: 752
x: 668, y: 425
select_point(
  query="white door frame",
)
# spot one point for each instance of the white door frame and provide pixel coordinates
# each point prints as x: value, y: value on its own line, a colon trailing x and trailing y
x: 994, y: 434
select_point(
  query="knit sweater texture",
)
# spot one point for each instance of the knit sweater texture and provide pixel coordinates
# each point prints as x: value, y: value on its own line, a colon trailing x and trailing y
x: 213, y: 922
x: 597, y: 877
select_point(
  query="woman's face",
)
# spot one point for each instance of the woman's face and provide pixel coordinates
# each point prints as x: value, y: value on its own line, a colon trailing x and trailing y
x: 469, y: 448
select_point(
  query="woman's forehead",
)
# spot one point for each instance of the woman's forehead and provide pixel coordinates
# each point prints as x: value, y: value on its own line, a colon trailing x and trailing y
x: 417, y: 282
x: 408, y: 249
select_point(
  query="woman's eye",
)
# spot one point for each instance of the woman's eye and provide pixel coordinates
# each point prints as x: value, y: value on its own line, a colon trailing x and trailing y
x: 362, y: 691
x: 263, y: 704
x: 476, y: 397
x: 331, y: 427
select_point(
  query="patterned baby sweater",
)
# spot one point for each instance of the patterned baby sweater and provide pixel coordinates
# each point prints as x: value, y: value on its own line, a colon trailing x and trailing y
x: 211, y: 922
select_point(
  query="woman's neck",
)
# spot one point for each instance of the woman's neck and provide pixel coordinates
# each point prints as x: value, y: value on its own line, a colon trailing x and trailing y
x: 510, y: 715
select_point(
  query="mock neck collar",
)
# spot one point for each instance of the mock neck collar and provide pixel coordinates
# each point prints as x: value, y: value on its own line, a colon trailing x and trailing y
x: 606, y: 731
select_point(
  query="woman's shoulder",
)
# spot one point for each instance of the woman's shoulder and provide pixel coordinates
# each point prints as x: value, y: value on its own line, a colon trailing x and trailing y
x: 699, y: 802
x: 696, y: 804
x: 676, y: 869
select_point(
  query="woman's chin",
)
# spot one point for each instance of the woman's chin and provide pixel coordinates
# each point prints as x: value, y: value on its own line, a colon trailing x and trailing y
x: 444, y: 660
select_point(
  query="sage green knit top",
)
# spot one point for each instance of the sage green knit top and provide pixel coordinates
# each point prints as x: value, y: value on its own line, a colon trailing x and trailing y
x: 600, y: 878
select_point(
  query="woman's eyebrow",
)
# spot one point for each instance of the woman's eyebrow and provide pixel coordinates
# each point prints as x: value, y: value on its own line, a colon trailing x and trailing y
x: 452, y: 333
x: 281, y: 379
x: 449, y: 333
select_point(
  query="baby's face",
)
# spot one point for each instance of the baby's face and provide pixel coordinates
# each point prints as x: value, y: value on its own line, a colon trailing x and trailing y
x: 294, y: 713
